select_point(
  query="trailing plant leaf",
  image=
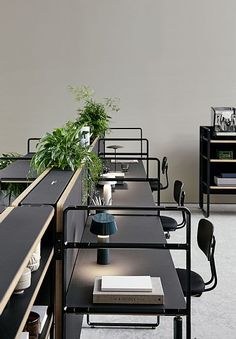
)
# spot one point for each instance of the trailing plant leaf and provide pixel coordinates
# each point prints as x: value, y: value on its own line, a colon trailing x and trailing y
x: 61, y: 149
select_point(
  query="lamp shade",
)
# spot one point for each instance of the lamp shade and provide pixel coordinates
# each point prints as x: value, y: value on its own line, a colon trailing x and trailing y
x: 103, y: 224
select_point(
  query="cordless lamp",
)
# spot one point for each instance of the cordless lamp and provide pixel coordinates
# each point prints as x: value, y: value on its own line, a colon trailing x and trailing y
x: 103, y: 225
x: 115, y: 147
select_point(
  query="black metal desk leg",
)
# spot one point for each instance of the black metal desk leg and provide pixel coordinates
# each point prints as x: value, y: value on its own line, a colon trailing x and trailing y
x: 178, y: 328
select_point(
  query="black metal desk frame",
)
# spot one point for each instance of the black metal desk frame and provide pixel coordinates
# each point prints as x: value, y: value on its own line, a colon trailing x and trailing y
x: 130, y: 156
x: 163, y: 246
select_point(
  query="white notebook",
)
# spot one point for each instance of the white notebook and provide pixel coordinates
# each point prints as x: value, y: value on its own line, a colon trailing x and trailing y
x: 111, y: 283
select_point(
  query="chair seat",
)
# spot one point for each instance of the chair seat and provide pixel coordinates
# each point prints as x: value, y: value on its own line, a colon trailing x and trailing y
x: 168, y: 223
x: 197, y: 283
x: 155, y: 184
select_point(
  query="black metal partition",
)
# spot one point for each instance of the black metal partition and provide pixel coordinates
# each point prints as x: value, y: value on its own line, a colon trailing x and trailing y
x: 29, y: 143
x: 139, y: 129
x: 77, y: 298
x: 140, y: 140
x: 137, y: 176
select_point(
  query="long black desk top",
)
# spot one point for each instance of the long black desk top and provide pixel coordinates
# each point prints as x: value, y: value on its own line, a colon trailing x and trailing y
x: 154, y: 262
x: 18, y: 171
x: 50, y: 188
x: 151, y: 262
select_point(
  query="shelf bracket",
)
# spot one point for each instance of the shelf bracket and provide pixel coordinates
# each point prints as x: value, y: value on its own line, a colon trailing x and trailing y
x: 59, y: 246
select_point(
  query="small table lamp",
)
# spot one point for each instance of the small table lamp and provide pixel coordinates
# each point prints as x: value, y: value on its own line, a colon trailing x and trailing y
x: 115, y: 147
x: 103, y: 225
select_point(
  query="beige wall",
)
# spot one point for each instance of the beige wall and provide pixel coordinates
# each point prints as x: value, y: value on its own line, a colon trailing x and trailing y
x: 168, y: 61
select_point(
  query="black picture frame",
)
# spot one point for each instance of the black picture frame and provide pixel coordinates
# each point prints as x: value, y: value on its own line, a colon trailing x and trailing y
x: 224, y: 121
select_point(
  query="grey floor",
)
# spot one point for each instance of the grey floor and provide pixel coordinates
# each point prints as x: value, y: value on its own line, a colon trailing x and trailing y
x: 214, y: 313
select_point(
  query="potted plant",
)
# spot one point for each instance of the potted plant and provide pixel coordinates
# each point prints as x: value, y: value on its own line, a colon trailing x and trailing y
x: 62, y: 149
x: 91, y: 113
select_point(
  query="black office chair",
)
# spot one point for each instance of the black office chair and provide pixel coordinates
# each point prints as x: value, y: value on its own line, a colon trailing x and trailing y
x: 169, y: 224
x: 206, y: 242
x: 155, y: 183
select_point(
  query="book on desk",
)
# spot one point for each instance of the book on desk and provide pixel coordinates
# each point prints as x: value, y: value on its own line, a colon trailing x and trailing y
x: 128, y: 290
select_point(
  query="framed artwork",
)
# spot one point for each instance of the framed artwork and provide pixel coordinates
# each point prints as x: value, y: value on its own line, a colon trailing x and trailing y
x: 224, y: 121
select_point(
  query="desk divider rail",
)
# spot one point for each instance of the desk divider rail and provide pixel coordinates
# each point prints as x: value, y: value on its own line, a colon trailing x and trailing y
x: 28, y: 143
x: 126, y: 139
x: 132, y: 129
x: 147, y: 178
x: 173, y: 246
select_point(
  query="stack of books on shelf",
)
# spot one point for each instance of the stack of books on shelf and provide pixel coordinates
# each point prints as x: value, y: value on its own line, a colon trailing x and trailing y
x: 128, y: 290
x: 225, y: 179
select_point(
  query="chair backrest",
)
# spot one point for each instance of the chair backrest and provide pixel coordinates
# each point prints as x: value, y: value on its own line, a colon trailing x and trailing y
x: 178, y: 188
x: 164, y: 170
x: 206, y: 242
x: 164, y: 165
x: 205, y: 237
x: 182, y: 198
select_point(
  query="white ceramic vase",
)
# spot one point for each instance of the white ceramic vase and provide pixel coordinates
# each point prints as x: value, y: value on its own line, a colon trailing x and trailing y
x: 107, y: 194
x: 34, y: 261
x: 24, y: 282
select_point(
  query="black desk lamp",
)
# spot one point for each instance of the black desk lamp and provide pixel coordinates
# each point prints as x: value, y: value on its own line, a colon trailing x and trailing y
x: 103, y: 225
x: 115, y: 147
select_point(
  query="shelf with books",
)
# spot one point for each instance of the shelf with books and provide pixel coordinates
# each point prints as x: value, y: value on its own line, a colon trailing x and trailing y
x: 16, y: 307
x: 217, y: 156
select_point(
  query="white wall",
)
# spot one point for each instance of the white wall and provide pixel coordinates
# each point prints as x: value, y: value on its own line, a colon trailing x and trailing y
x: 168, y: 61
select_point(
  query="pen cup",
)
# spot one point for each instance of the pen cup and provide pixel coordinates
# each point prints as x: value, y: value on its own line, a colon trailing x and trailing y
x: 33, y: 325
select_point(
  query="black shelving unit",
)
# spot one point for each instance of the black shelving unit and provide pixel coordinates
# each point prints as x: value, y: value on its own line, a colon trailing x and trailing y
x: 210, y: 165
x: 17, y: 250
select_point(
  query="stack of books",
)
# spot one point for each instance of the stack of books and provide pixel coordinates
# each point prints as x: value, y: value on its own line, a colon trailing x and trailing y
x: 128, y: 290
x: 225, y: 179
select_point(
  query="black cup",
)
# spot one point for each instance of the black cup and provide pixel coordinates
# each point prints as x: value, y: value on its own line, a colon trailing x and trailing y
x: 125, y: 167
x: 33, y: 325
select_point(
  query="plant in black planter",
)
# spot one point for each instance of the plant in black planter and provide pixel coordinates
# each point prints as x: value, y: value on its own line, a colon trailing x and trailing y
x: 91, y: 113
x: 62, y: 149
x: 10, y: 190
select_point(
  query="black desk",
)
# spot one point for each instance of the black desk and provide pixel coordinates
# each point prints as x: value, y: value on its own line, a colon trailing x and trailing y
x: 132, y: 228
x: 18, y: 171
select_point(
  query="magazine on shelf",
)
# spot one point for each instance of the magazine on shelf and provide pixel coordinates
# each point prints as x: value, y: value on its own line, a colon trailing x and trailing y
x: 156, y: 296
